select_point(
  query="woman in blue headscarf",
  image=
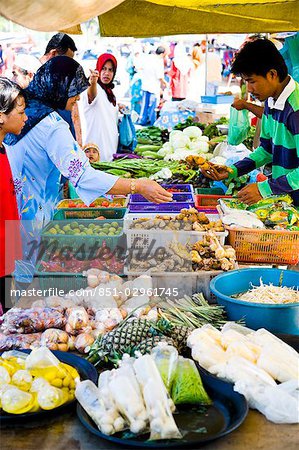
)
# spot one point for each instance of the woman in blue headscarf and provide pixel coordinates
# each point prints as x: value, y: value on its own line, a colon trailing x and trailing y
x: 45, y: 150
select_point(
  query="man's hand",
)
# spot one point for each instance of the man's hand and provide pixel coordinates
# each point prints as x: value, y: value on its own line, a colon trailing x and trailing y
x: 239, y: 104
x: 215, y: 172
x: 250, y: 194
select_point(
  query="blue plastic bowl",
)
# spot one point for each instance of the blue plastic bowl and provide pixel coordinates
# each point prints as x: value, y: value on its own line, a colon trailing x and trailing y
x: 275, y: 318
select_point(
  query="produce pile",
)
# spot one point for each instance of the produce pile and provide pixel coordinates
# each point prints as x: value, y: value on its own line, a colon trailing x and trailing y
x: 39, y: 381
x: 76, y: 320
x: 208, y: 254
x: 270, y: 294
x: 184, y: 143
x: 111, y: 228
x: 173, y: 324
x: 142, y: 394
x: 98, y: 203
x: 275, y: 212
x: 187, y: 220
x: 82, y: 258
x: 255, y: 361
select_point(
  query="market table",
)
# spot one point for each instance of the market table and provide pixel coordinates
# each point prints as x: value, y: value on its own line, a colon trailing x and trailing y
x: 67, y: 433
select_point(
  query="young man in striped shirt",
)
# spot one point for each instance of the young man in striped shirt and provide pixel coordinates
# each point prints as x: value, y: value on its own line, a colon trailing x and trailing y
x: 263, y: 68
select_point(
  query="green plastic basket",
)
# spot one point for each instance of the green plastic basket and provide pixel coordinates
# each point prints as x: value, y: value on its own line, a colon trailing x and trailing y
x: 76, y: 241
x: 61, y: 281
x: 209, y: 191
x: 92, y: 213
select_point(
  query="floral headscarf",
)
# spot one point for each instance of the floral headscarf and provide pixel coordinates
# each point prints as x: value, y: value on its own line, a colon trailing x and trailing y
x: 102, y: 59
x: 53, y: 84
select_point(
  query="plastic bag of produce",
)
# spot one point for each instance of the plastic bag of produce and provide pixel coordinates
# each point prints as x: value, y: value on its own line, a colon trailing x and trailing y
x: 51, y: 397
x: 187, y: 385
x: 166, y: 358
x: 108, y: 420
x: 238, y: 126
x: 15, y: 401
x: 279, y: 403
x: 157, y: 402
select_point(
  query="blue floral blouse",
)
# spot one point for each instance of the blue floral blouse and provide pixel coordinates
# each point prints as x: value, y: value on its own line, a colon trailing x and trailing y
x: 37, y: 162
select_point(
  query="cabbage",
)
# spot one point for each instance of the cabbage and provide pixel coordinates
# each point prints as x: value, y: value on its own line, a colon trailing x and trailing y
x: 178, y: 139
x: 203, y: 147
x: 192, y: 132
x: 204, y: 138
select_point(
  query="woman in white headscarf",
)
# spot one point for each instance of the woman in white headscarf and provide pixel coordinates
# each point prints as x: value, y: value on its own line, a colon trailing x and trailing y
x: 179, y: 73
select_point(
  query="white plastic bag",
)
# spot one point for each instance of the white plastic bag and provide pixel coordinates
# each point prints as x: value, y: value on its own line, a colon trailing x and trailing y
x: 280, y: 403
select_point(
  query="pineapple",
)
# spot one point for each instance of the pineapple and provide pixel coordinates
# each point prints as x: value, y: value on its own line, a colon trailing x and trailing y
x: 149, y: 343
x: 178, y: 333
x: 121, y: 340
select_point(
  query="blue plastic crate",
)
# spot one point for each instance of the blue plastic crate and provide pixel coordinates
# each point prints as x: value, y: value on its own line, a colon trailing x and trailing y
x: 217, y: 99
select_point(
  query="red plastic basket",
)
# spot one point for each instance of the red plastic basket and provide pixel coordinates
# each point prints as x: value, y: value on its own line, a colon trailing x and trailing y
x: 202, y: 201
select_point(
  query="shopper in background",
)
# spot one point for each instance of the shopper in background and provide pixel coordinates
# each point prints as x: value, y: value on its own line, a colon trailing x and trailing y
x: 98, y: 108
x: 59, y: 45
x: 24, y: 68
x: 198, y: 76
x: 92, y: 152
x: 12, y: 120
x: 2, y: 63
x: 263, y: 68
x: 214, y: 69
x: 179, y: 73
x: 63, y: 45
x: 152, y: 80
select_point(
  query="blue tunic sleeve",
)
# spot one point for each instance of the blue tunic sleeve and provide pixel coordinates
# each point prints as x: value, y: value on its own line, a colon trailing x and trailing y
x: 70, y: 160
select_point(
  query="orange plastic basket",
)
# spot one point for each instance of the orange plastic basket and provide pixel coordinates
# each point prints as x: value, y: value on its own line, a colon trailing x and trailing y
x: 265, y: 246
x: 207, y: 200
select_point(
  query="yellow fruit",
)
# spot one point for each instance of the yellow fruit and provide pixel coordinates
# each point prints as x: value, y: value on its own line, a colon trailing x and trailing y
x: 15, y: 401
x: 66, y: 381
x: 57, y: 382
x: 72, y: 384
x: 71, y: 370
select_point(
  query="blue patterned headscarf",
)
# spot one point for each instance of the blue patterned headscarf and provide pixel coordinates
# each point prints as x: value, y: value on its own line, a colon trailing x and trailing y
x: 53, y: 84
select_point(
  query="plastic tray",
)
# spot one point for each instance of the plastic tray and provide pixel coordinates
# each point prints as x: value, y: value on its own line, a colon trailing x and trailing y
x: 178, y: 197
x: 92, y: 213
x: 86, y: 371
x: 77, y: 240
x: 228, y: 411
x: 216, y: 99
x: 180, y: 187
x: 265, y: 246
x: 177, y: 284
x: 202, y: 201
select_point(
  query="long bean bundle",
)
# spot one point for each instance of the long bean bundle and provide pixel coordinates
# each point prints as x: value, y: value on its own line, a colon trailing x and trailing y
x: 143, y: 168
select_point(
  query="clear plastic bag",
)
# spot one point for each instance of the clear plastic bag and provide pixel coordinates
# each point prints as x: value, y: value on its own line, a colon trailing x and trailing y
x: 239, y: 126
x: 166, y: 359
x: 280, y: 403
x: 187, y: 386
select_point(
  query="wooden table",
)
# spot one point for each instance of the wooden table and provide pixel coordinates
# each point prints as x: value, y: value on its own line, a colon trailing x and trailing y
x: 67, y: 433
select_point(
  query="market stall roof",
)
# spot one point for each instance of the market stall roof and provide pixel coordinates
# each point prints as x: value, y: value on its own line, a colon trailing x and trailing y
x: 141, y: 18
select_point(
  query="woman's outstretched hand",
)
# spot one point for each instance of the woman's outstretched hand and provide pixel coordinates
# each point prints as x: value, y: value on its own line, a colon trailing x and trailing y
x: 152, y: 191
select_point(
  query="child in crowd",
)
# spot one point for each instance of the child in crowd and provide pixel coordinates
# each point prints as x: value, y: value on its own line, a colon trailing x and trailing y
x: 92, y: 152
